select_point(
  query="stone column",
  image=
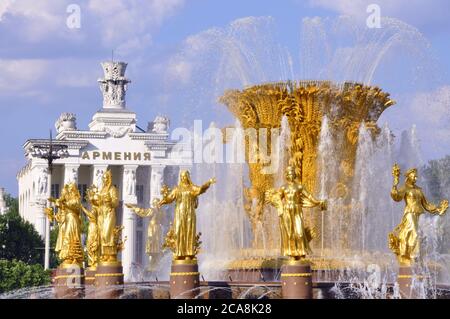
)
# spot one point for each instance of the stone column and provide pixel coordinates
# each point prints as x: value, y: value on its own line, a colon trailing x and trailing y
x: 3, y: 207
x: 71, y: 173
x: 42, y: 189
x: 156, y: 181
x: 41, y: 193
x: 97, y: 173
x: 129, y: 219
x: 146, y: 221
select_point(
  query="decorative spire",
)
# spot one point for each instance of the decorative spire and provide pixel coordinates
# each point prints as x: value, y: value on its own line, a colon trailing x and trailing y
x: 114, y: 85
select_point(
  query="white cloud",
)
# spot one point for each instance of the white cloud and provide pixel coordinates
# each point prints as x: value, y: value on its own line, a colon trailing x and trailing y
x: 75, y: 73
x: 123, y: 25
x: 19, y: 75
x: 33, y: 77
x: 35, y: 20
x: 128, y: 25
x: 4, y: 6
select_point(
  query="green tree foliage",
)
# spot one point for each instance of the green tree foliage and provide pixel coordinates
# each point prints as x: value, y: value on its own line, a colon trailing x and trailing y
x: 19, y: 239
x: 437, y: 175
x: 12, y: 203
x: 54, y: 260
x: 15, y: 274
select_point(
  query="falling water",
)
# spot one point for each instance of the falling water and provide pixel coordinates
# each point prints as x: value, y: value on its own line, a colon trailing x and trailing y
x: 340, y: 49
x: 221, y: 217
x: 328, y: 177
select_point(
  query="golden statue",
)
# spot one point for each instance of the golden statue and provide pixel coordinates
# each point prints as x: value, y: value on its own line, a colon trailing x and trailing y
x: 68, y: 244
x: 289, y: 201
x: 154, y: 230
x: 93, y: 236
x: 403, y: 241
x: 110, y: 242
x: 182, y: 237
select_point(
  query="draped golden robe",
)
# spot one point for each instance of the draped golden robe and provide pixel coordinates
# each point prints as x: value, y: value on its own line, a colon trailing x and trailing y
x: 295, y: 236
x: 109, y: 200
x: 93, y: 237
x: 154, y: 232
x: 403, y: 241
x: 68, y: 244
x: 184, y: 223
x: 154, y: 236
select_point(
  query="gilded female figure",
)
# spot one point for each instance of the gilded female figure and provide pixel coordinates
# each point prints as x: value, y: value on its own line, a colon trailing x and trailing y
x: 289, y: 201
x: 182, y: 238
x: 68, y: 244
x: 403, y: 241
x: 154, y: 230
x: 108, y: 201
x: 93, y: 236
x: 154, y: 235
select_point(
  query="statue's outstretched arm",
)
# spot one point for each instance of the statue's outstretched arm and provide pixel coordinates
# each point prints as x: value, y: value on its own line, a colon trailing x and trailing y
x: 142, y: 212
x: 167, y: 198
x: 50, y: 213
x: 273, y: 197
x: 397, y: 194
x: 57, y: 201
x: 88, y: 213
x: 205, y: 186
x: 432, y: 208
x: 309, y: 201
x: 60, y: 217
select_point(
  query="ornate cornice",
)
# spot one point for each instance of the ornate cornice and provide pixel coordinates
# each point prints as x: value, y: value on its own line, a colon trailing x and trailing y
x: 149, y: 136
x: 71, y: 144
x: 82, y: 134
x: 24, y: 170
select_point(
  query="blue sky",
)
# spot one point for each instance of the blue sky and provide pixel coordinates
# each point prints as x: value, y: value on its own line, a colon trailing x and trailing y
x: 183, y: 53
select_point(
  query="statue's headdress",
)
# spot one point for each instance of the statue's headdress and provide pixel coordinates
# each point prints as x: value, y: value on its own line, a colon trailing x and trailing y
x: 410, y: 171
x: 290, y: 169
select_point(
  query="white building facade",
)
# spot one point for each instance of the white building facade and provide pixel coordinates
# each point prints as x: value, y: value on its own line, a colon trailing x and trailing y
x: 140, y: 161
x: 3, y: 208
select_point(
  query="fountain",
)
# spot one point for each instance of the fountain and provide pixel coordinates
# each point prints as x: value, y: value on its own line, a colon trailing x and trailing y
x: 306, y: 106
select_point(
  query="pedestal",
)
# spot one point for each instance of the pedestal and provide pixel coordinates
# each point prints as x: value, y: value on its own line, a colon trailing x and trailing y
x: 184, y: 280
x: 89, y: 279
x: 109, y: 280
x: 406, y: 279
x: 296, y: 280
x: 89, y: 282
x: 69, y: 282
